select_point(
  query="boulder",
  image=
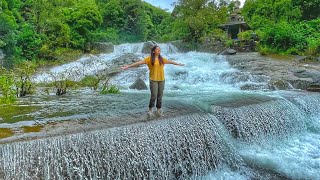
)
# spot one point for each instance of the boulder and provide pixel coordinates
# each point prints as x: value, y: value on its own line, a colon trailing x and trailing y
x: 227, y: 51
x: 125, y: 59
x: 103, y: 47
x: 139, y: 84
x: 279, y: 84
x: 147, y: 47
x: 315, y: 87
x: 302, y: 83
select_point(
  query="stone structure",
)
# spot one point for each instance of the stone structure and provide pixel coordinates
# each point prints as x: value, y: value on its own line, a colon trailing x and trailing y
x: 235, y: 25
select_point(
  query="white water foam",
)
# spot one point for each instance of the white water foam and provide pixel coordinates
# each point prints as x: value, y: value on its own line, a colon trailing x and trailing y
x: 296, y: 158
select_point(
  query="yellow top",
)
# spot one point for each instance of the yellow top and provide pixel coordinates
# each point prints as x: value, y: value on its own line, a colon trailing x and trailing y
x: 156, y: 71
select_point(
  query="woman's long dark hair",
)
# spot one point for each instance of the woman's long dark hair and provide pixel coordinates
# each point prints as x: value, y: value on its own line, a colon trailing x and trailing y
x: 153, y: 58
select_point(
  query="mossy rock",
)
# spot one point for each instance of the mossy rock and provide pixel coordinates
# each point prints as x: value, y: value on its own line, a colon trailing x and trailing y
x: 6, y: 132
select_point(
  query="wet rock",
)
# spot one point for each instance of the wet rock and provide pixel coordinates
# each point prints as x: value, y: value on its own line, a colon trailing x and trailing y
x: 103, y: 47
x: 279, y: 84
x: 315, y: 87
x: 126, y: 59
x: 253, y: 87
x: 302, y: 83
x: 228, y: 51
x: 235, y: 77
x: 297, y: 71
x: 304, y: 73
x: 306, y: 58
x: 139, y: 84
x: 147, y: 47
x: 284, y: 73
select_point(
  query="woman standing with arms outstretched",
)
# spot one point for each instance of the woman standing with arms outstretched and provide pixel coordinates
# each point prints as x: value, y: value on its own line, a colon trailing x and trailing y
x: 155, y: 64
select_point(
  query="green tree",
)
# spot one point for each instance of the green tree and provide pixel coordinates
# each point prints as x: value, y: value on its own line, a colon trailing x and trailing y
x: 201, y: 16
x: 282, y: 30
x: 23, y: 73
x: 85, y: 18
x: 310, y: 9
x: 7, y: 28
x: 261, y: 13
x: 112, y: 13
x: 29, y: 42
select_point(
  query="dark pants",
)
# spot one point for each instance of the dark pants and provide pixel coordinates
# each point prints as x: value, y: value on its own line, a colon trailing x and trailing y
x: 156, y: 88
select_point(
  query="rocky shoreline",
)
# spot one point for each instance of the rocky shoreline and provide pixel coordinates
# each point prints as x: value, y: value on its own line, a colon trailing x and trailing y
x: 284, y: 73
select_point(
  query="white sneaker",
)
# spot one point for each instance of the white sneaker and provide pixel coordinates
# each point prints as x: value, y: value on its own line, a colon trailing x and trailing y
x: 150, y: 114
x: 159, y: 114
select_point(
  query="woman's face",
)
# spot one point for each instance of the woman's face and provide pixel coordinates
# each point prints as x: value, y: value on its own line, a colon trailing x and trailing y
x: 157, y: 51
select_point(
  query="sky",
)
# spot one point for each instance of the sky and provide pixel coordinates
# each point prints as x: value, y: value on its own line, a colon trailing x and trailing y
x: 166, y: 4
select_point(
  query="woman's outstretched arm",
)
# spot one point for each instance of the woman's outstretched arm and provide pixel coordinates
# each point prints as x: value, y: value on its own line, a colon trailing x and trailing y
x: 174, y: 63
x: 133, y: 65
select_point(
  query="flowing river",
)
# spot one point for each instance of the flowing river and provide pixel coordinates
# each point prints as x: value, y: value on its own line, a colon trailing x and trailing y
x: 211, y: 128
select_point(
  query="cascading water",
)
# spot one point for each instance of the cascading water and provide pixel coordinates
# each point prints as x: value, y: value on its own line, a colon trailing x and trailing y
x: 174, y: 148
x: 228, y: 133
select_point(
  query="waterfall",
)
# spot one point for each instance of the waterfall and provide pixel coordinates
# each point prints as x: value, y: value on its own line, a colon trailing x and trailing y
x: 176, y: 148
x: 202, y: 71
x: 257, y: 122
x: 211, y: 129
x: 128, y: 48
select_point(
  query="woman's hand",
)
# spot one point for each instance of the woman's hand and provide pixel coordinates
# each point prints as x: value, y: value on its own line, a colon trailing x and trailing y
x: 180, y: 64
x: 124, y: 67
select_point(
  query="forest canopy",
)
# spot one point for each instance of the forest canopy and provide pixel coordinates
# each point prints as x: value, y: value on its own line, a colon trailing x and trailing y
x: 41, y: 29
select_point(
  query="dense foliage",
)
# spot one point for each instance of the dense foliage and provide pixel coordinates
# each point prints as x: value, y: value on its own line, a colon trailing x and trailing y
x: 41, y: 29
x: 285, y: 26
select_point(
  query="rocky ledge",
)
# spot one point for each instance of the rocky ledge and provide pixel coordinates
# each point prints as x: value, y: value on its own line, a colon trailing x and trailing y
x: 284, y: 73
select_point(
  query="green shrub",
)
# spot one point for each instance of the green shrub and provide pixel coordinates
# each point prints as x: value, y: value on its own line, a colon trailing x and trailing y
x: 313, y: 46
x: 7, y: 88
x: 110, y: 90
x: 229, y: 43
x: 264, y: 50
x: 246, y: 35
x: 90, y: 81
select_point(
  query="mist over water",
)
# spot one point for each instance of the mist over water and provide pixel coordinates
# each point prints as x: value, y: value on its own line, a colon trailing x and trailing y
x: 231, y: 134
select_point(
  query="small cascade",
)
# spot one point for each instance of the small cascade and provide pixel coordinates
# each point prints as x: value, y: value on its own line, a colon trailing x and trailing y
x: 310, y: 105
x: 128, y: 48
x: 177, y: 148
x: 245, y: 80
x: 201, y: 72
x: 259, y: 122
